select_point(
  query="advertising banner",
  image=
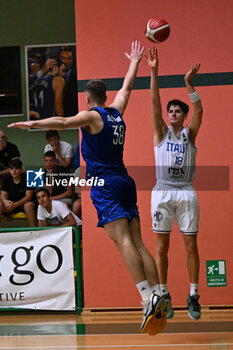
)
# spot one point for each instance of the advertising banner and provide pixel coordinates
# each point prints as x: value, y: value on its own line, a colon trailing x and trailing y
x: 37, y: 269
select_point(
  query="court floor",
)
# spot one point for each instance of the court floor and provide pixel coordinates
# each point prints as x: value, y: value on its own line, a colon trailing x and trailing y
x: 114, y: 330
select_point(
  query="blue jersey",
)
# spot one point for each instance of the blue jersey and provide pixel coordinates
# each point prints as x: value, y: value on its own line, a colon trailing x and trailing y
x: 103, y: 152
x: 42, y: 96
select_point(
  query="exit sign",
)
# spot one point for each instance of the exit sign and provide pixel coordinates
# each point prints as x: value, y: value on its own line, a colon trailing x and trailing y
x: 216, y: 273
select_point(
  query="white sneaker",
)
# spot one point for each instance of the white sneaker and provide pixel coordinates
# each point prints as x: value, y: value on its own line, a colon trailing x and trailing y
x: 153, y: 308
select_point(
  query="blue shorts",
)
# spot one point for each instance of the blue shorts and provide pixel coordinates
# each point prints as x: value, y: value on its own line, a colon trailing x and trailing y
x: 116, y: 199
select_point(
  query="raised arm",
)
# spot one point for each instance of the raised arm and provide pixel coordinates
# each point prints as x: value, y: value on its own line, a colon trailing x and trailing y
x: 158, y: 124
x: 64, y: 162
x: 122, y: 97
x: 196, y: 118
x: 83, y: 118
x: 58, y: 87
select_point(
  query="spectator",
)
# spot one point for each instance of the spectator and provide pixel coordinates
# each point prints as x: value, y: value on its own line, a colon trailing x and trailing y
x: 70, y: 101
x: 64, y: 151
x: 54, y: 176
x: 8, y: 151
x: 15, y: 197
x: 52, y: 212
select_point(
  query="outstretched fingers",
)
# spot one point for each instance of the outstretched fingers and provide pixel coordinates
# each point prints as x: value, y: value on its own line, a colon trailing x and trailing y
x: 127, y: 55
x: 193, y: 71
x: 133, y: 45
x: 20, y: 125
x: 152, y: 53
x: 141, y: 50
x: 196, y: 67
x: 137, y: 48
x: 136, y: 51
x: 152, y: 57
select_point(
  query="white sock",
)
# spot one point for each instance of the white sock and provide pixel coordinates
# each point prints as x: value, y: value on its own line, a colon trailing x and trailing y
x: 144, y: 290
x: 193, y: 289
x: 156, y: 289
x: 163, y: 288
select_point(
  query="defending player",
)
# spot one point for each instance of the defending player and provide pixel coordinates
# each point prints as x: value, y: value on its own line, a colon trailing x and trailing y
x: 174, y: 196
x: 103, y: 135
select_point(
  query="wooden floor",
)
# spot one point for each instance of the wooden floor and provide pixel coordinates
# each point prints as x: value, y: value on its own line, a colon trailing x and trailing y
x: 114, y: 330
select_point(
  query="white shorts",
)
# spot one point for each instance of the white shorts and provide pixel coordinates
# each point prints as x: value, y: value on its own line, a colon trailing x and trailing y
x: 179, y: 203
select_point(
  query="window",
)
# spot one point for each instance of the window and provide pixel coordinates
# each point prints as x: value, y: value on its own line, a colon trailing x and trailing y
x: 10, y: 82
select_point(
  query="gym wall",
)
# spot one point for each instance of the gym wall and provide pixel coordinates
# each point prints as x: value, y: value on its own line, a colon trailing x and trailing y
x: 201, y: 31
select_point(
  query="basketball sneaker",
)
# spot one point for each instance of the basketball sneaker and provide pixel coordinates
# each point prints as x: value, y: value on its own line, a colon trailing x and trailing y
x: 170, y: 311
x: 194, y: 308
x: 158, y: 323
x: 152, y: 308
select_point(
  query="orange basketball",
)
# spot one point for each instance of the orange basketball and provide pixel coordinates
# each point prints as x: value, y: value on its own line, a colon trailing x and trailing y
x: 157, y: 30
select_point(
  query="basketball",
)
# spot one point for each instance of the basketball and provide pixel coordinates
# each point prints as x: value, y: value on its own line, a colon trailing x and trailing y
x: 157, y: 30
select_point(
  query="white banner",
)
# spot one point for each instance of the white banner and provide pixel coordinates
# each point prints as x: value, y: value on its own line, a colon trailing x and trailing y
x: 37, y: 269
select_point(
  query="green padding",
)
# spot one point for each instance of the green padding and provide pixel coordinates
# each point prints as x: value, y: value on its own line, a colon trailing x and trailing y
x: 168, y: 81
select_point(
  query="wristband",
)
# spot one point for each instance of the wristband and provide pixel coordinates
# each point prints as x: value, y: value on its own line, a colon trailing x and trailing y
x: 194, y: 97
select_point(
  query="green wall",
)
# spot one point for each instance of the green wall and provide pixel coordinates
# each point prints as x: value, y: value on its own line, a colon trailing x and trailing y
x: 26, y: 22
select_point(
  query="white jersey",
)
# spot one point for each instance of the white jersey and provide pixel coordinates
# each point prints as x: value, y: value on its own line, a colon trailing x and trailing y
x: 66, y: 150
x: 58, y: 214
x: 175, y: 159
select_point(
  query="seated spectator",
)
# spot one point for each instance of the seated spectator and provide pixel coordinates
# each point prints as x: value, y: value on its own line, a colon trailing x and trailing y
x: 8, y: 151
x: 77, y: 190
x: 53, y: 180
x: 15, y: 197
x: 54, y: 213
x: 63, y: 150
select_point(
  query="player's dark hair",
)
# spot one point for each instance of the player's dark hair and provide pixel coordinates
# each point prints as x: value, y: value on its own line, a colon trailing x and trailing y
x: 15, y: 163
x: 51, y: 133
x: 40, y: 189
x: 181, y: 104
x: 50, y: 154
x: 97, y: 89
